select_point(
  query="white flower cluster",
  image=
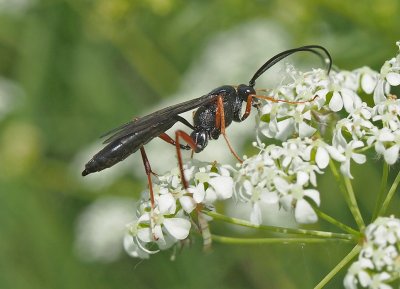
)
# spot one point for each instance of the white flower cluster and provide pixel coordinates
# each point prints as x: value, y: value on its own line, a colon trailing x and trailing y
x: 169, y: 221
x: 281, y: 175
x: 323, y: 118
x: 361, y: 127
x: 378, y: 263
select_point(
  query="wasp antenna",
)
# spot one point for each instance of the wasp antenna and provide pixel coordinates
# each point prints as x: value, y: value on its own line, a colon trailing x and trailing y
x: 270, y: 98
x: 278, y: 57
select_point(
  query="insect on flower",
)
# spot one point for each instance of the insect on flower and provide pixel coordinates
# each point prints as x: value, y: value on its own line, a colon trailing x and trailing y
x: 215, y: 111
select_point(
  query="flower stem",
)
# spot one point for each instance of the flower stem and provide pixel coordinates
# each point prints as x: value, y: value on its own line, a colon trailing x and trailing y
x: 339, y: 267
x: 281, y: 230
x: 261, y: 241
x: 390, y: 195
x: 330, y: 219
x: 348, y: 194
x: 382, y: 191
x: 339, y: 181
x: 353, y: 204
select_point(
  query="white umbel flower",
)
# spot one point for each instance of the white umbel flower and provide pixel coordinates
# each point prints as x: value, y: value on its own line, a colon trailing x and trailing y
x: 378, y: 264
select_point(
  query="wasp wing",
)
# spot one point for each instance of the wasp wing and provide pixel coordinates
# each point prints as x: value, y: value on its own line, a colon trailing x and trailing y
x: 158, y: 118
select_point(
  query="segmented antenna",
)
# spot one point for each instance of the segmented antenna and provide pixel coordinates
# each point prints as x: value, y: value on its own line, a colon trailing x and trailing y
x: 327, y: 59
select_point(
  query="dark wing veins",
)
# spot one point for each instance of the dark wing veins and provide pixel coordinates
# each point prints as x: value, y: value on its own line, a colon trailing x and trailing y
x: 158, y: 119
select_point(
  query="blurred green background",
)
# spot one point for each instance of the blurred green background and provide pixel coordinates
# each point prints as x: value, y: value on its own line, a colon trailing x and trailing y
x: 72, y: 69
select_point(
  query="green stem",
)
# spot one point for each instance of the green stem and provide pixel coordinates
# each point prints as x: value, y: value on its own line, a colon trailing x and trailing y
x: 339, y: 267
x: 262, y: 241
x: 330, y: 219
x: 281, y: 230
x: 390, y: 195
x: 361, y: 150
x: 353, y: 204
x: 382, y: 191
x: 339, y: 181
x: 347, y: 195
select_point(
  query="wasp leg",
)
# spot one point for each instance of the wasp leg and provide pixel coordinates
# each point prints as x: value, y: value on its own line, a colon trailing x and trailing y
x: 183, y: 135
x: 248, y: 107
x: 170, y: 140
x: 282, y: 100
x: 149, y: 172
x: 220, y: 123
x: 184, y: 121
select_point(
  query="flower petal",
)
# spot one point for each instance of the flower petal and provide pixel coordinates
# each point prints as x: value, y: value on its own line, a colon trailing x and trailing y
x: 336, y: 103
x: 144, y: 234
x: 255, y: 215
x: 187, y: 203
x: 359, y: 158
x: 223, y: 186
x: 198, y: 193
x: 392, y: 154
x: 285, y: 129
x: 304, y: 213
x: 322, y: 158
x: 368, y: 83
x: 393, y: 78
x: 306, y: 130
x: 269, y: 197
x: 166, y: 204
x: 313, y: 194
x: 178, y: 228
x: 281, y: 185
x: 302, y: 178
x: 133, y: 249
x: 348, y: 99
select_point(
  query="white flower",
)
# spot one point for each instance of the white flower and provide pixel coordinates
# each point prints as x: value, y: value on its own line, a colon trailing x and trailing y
x: 369, y: 79
x: 378, y: 281
x: 280, y: 174
x: 391, y: 71
x: 156, y: 229
x: 378, y: 261
x: 389, y: 75
x: 350, y: 154
x: 381, y: 90
x: 292, y: 196
x: 133, y: 249
x: 358, y: 273
x: 387, y: 143
x: 388, y: 113
x: 209, y: 186
x: 324, y: 152
x: 177, y: 227
x: 284, y: 119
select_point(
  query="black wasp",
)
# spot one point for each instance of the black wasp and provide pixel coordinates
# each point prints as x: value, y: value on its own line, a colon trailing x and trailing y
x: 215, y: 111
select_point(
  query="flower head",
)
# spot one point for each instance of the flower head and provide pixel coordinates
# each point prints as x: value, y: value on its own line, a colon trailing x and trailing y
x: 378, y: 262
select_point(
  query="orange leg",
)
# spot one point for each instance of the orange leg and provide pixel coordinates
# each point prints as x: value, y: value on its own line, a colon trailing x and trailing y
x: 148, y: 170
x: 169, y: 140
x: 248, y: 107
x: 250, y: 102
x: 220, y: 123
x: 181, y: 134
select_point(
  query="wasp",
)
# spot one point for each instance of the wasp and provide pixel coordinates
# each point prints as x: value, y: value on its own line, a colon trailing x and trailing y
x: 216, y: 110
